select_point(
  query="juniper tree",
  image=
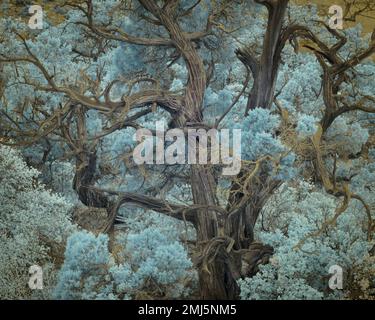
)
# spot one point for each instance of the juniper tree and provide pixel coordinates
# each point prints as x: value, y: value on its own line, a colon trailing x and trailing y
x: 107, y: 70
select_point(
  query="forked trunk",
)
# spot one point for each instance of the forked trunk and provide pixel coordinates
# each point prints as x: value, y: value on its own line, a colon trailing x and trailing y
x: 216, y: 267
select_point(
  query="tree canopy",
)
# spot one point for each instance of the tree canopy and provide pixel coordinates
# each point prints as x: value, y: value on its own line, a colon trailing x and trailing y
x: 74, y: 93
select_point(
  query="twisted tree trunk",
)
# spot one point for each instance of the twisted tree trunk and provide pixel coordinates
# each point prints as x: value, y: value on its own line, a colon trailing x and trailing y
x: 223, y: 239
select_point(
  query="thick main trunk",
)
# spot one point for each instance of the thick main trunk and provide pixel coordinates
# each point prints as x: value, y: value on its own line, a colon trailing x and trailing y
x: 265, y: 71
x: 217, y: 268
x: 218, y: 277
x: 219, y: 265
x: 224, y: 243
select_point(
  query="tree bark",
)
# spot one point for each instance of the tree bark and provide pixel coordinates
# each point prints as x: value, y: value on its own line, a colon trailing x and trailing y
x: 265, y: 70
x: 216, y: 267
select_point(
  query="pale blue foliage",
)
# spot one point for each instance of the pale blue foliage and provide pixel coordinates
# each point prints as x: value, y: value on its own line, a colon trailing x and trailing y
x: 270, y: 286
x: 356, y: 41
x: 157, y: 257
x: 306, y: 125
x: 349, y: 137
x: 124, y: 278
x: 29, y: 215
x: 84, y: 274
x: 200, y: 15
x: 177, y: 84
x: 217, y: 101
x: 303, y: 273
x: 59, y: 176
x: 128, y: 58
x: 300, y: 81
x: 259, y: 128
x: 90, y: 271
